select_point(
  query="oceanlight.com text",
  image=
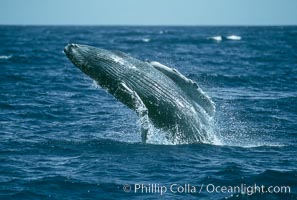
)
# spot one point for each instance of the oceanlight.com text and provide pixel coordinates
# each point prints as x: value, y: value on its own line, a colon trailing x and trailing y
x: 162, y: 189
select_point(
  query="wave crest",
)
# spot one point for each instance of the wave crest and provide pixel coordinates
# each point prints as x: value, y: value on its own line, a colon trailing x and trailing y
x: 5, y: 57
x: 216, y: 38
x: 233, y: 37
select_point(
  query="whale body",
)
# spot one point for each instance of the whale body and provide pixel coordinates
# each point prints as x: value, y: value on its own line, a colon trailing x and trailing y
x: 160, y: 95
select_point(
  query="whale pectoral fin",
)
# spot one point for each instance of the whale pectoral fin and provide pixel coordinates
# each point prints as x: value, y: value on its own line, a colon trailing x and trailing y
x: 189, y: 86
x: 133, y: 101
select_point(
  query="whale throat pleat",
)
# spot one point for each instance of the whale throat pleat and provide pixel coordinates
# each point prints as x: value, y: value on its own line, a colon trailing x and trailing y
x: 189, y: 87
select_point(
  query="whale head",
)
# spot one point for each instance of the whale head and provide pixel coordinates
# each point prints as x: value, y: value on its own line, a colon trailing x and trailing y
x: 105, y: 67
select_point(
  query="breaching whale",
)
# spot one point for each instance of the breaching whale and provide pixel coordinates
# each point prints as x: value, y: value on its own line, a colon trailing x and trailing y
x: 160, y: 95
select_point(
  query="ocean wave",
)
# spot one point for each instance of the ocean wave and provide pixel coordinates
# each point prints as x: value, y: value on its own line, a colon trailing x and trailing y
x: 233, y: 37
x: 5, y: 57
x: 253, y: 145
x: 219, y: 38
x: 146, y: 39
x: 216, y: 38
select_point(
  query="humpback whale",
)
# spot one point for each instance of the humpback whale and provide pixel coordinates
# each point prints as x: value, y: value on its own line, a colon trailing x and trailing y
x: 161, y: 96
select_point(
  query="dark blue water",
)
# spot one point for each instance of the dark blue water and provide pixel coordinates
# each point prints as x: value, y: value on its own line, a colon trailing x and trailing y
x: 62, y: 137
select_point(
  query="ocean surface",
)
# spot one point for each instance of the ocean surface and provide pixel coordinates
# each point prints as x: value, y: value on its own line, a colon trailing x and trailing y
x: 63, y: 137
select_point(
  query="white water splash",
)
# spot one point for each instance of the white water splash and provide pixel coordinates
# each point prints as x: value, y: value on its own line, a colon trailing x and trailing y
x: 164, y: 137
x: 146, y: 39
x: 4, y: 57
x: 233, y: 37
x: 216, y: 38
x: 95, y: 85
x: 234, y: 132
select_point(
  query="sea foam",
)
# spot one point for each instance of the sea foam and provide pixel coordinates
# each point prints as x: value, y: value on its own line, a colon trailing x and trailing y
x: 233, y: 37
x: 216, y: 38
x: 4, y: 57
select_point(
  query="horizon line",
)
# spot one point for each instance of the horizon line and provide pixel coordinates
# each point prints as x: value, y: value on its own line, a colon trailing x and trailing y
x: 157, y: 25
